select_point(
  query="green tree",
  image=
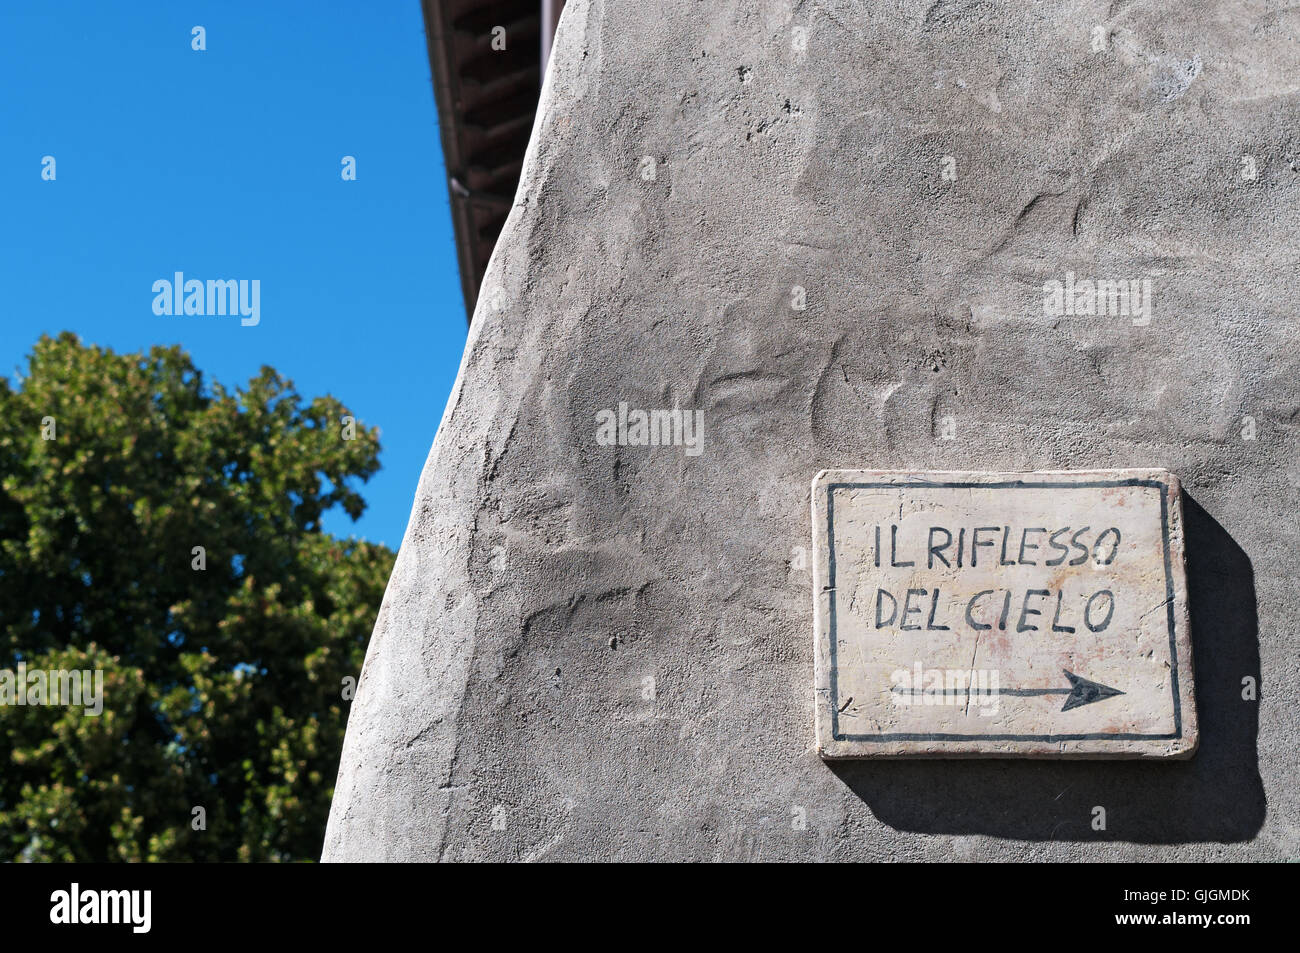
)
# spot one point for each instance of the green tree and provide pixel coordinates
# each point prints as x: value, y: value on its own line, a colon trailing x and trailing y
x: 223, y: 687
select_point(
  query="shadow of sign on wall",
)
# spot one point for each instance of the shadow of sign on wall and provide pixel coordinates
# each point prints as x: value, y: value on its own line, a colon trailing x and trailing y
x: 1217, y: 796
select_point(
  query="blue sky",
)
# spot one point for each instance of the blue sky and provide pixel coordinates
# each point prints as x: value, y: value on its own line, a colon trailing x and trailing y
x: 226, y: 164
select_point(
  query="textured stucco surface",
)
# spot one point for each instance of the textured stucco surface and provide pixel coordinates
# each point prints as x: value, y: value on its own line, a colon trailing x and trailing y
x: 504, y: 710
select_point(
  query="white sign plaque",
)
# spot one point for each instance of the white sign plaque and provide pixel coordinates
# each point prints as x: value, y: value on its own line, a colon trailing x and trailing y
x: 1001, y: 615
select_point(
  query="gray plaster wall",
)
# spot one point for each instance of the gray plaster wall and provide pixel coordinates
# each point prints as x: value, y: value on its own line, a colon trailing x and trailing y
x: 506, y: 710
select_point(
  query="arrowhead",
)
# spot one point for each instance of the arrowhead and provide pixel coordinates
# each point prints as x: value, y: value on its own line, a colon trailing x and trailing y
x: 1084, y: 692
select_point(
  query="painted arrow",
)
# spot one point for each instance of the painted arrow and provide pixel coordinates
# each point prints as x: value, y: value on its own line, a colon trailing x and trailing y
x: 1081, y: 692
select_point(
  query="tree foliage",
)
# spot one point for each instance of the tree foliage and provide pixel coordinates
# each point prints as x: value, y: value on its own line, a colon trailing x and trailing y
x: 223, y: 686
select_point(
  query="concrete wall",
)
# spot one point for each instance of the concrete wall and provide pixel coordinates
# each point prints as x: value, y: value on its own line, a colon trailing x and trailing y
x: 505, y: 710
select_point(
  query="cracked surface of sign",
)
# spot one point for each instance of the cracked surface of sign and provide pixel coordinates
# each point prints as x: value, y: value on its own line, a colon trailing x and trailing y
x: 1001, y: 615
